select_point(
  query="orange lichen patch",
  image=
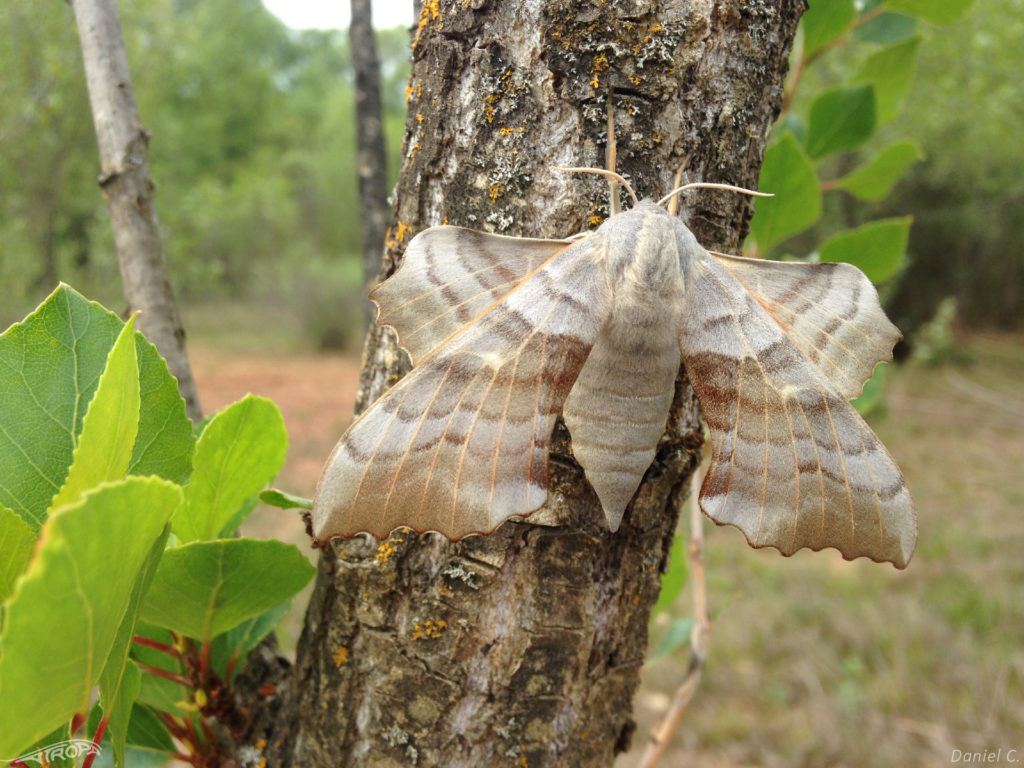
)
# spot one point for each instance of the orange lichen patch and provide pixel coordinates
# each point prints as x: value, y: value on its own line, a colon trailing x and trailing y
x: 387, y: 547
x: 496, y: 190
x: 565, y: 40
x: 635, y: 79
x: 600, y: 65
x: 429, y: 11
x: 489, y: 113
x: 430, y: 629
x: 415, y: 148
x: 522, y: 762
x: 419, y: 117
x: 390, y: 242
x: 510, y: 131
x: 341, y: 656
x: 403, y: 230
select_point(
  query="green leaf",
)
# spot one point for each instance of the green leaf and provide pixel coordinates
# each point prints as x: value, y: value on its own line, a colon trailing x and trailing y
x: 674, y: 581
x: 789, y: 175
x: 238, y: 641
x: 876, y: 248
x: 938, y: 11
x: 16, y: 543
x: 678, y: 634
x: 841, y: 119
x: 886, y: 29
x: 205, y: 588
x: 65, y: 612
x: 59, y: 735
x: 165, y: 442
x: 240, y: 451
x: 119, y: 712
x: 147, y: 731
x: 891, y: 72
x: 872, y: 395
x: 824, y: 21
x: 876, y: 178
x: 50, y: 366
x: 104, y: 448
x: 274, y: 497
x: 120, y: 681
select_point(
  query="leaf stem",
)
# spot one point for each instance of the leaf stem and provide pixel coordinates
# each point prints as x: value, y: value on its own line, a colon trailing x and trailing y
x: 170, y: 650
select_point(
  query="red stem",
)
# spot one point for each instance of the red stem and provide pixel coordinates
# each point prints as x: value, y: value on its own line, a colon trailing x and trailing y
x: 230, y: 669
x: 96, y: 739
x: 204, y: 659
x: 160, y: 672
x: 170, y: 650
x: 173, y: 726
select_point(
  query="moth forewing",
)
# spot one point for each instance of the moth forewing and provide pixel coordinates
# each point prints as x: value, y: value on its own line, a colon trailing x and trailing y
x: 448, y: 277
x: 461, y: 443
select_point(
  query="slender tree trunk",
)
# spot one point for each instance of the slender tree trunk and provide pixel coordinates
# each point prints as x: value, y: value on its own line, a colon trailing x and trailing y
x: 371, y: 160
x: 128, y: 189
x: 524, y: 647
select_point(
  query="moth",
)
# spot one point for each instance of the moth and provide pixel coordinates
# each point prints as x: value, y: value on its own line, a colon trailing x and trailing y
x: 506, y: 334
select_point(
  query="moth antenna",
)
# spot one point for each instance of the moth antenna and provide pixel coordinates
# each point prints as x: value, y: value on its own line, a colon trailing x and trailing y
x: 602, y: 172
x: 613, y: 200
x: 673, y: 206
x: 711, y: 185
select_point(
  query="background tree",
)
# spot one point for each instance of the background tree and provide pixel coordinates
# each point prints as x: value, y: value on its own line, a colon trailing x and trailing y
x: 128, y: 189
x: 528, y: 643
x: 371, y: 159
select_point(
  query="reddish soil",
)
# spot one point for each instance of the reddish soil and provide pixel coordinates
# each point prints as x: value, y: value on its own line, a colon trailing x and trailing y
x: 316, y: 395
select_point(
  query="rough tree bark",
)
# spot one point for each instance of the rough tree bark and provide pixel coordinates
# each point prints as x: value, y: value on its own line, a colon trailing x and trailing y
x: 524, y: 647
x: 371, y: 160
x: 128, y: 189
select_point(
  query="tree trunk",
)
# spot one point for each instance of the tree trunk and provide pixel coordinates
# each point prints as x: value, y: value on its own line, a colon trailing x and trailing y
x: 128, y: 189
x: 371, y: 160
x: 524, y: 647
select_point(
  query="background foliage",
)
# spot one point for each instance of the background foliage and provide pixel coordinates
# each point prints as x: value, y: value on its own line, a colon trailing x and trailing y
x: 253, y: 154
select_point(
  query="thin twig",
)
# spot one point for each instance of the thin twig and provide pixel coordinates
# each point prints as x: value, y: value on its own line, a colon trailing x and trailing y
x: 662, y: 733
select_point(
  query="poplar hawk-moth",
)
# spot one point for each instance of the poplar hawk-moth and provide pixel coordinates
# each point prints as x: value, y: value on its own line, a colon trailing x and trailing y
x: 506, y: 334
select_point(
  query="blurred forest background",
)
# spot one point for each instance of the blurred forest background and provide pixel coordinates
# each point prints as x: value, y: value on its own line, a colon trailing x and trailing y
x: 813, y: 661
x: 253, y: 154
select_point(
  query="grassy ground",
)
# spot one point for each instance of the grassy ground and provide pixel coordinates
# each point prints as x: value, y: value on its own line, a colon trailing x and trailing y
x: 813, y: 661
